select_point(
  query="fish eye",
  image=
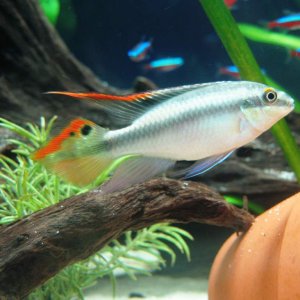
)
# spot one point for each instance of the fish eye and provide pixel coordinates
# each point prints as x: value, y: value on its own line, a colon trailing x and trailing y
x: 270, y: 96
x: 86, y: 129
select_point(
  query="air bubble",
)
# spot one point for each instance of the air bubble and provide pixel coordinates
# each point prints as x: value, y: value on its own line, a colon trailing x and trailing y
x: 41, y: 244
x: 185, y: 185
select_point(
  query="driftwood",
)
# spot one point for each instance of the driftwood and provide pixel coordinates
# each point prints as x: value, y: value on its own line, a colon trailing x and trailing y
x: 35, y: 248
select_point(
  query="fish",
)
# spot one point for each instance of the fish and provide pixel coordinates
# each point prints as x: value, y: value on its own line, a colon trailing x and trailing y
x: 233, y: 71
x: 165, y: 64
x: 230, y: 3
x: 295, y: 53
x: 290, y: 22
x: 140, y: 51
x: 201, y: 123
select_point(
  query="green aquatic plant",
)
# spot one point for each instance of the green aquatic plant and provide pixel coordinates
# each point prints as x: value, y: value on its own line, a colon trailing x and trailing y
x: 239, y: 202
x: 68, y: 23
x: 26, y: 187
x: 266, y: 36
x: 51, y: 9
x: 241, y: 55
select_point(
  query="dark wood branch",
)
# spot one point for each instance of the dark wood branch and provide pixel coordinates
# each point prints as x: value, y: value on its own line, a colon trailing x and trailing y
x: 35, y: 248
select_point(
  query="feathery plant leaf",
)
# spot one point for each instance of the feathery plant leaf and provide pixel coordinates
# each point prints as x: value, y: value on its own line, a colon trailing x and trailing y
x: 26, y: 187
x: 241, y: 55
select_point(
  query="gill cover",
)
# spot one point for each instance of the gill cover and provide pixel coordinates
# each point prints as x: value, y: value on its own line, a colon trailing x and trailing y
x: 262, y: 110
x: 78, y: 153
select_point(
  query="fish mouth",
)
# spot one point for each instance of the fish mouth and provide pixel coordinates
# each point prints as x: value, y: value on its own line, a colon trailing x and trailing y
x: 292, y: 104
x: 287, y: 101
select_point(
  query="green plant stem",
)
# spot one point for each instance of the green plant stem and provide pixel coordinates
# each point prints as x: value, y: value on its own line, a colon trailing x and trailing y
x: 241, y: 55
x: 232, y: 39
x: 261, y: 35
x: 254, y: 207
x: 266, y: 36
x: 288, y: 144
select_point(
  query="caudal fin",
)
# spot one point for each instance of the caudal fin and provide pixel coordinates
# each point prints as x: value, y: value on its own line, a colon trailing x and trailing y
x: 78, y: 153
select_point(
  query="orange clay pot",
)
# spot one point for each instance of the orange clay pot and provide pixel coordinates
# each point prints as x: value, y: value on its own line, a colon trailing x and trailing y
x: 263, y: 263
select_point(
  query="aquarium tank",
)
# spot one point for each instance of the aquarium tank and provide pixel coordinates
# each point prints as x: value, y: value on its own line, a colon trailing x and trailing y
x: 129, y: 129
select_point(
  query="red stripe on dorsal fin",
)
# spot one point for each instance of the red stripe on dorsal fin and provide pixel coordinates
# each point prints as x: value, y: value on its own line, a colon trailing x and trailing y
x: 129, y: 107
x: 98, y: 96
x: 156, y: 95
x: 126, y: 108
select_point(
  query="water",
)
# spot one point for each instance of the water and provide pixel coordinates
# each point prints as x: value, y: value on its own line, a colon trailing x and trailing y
x: 106, y: 30
x: 100, y: 34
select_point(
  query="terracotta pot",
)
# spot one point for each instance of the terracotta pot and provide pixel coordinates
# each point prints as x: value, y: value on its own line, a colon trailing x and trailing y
x: 263, y: 263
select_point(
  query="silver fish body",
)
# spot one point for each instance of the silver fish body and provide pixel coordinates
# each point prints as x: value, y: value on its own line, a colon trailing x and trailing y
x: 206, y: 121
x: 202, y: 123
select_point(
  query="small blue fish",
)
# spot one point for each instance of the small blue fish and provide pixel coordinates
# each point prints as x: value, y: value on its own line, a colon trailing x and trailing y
x: 233, y: 71
x: 295, y: 53
x: 290, y: 22
x: 165, y: 64
x: 140, y: 51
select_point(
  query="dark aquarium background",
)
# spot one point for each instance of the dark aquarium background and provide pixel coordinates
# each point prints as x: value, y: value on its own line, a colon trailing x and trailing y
x: 103, y: 32
x: 99, y: 34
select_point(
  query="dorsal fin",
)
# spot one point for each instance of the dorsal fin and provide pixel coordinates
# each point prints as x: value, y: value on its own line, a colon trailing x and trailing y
x: 130, y: 107
x: 103, y: 97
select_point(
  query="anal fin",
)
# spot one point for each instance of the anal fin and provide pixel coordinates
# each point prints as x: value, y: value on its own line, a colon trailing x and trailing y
x: 136, y: 170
